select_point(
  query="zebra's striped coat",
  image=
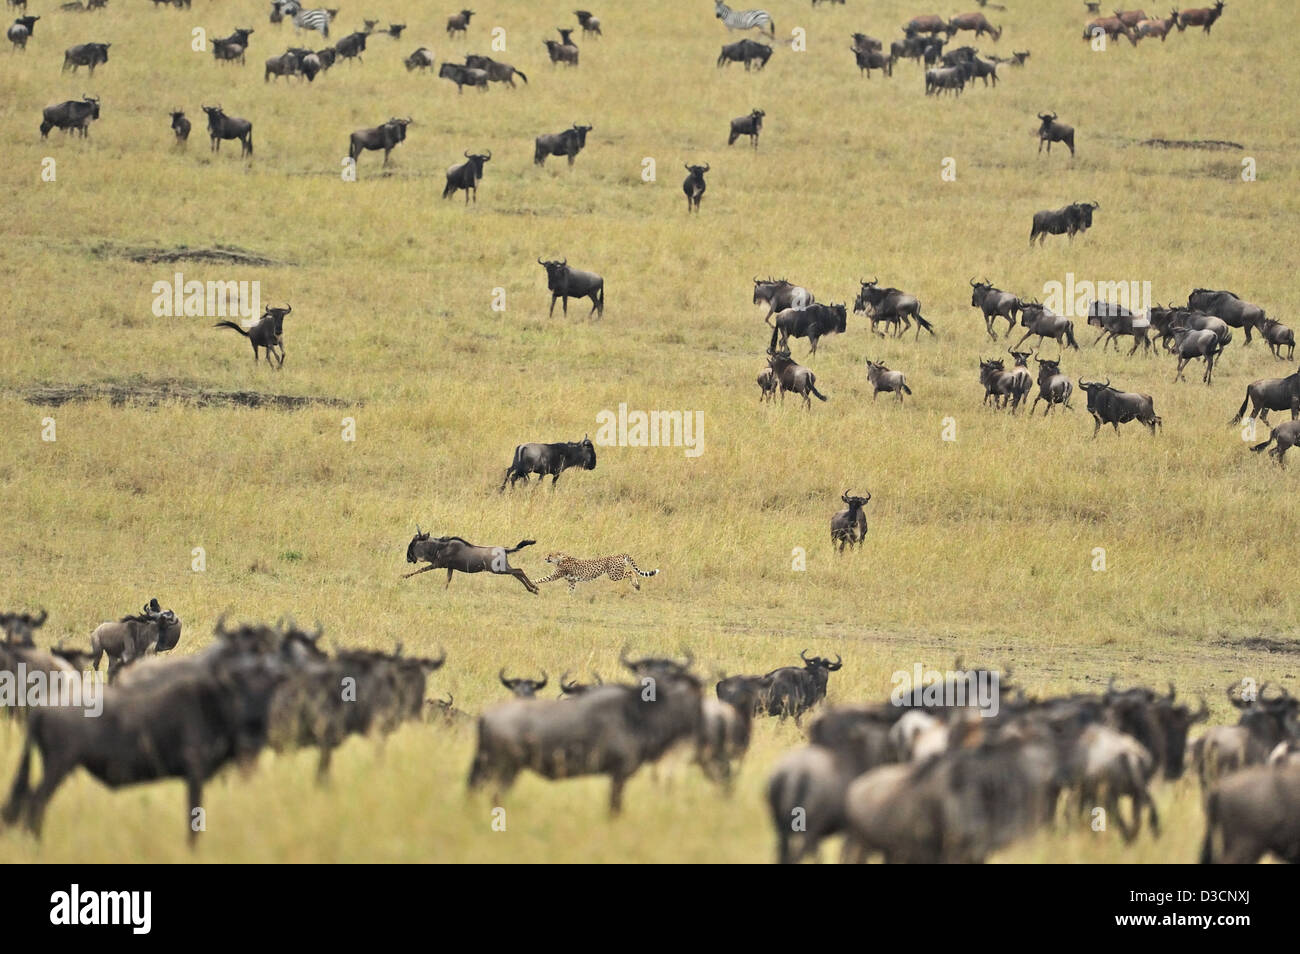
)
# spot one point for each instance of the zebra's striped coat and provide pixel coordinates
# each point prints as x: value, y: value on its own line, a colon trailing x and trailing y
x: 744, y: 19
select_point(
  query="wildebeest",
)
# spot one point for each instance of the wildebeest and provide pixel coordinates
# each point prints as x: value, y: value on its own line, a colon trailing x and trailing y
x: 1253, y: 813
x: 869, y: 60
x: 863, y: 42
x: 947, y: 78
x: 1164, y: 320
x: 811, y: 322
x: 457, y: 553
x: 750, y: 126
x: 497, y: 72
x: 1190, y: 345
x: 20, y: 30
x: 1116, y: 321
x: 779, y: 294
x: 1277, y: 335
x: 564, y: 283
x: 73, y: 114
x: 1287, y: 435
x: 1003, y: 385
x: 385, y: 137
x: 421, y: 59
x: 1052, y: 131
x: 267, y: 333
x: 1201, y: 16
x: 568, y: 143
x: 694, y: 185
x: 352, y: 45
x: 589, y: 23
x: 793, y: 690
x: 127, y: 639
x: 459, y: 23
x: 1109, y: 405
x: 767, y: 384
x: 882, y: 379
x: 793, y: 377
x: 849, y: 526
x: 1226, y: 305
x: 976, y: 22
x: 221, y: 126
x: 464, y: 76
x: 1111, y: 27
x: 1040, y: 320
x: 890, y: 305
x: 549, y: 459
x: 287, y: 63
x: 1053, y: 387
x: 1271, y: 394
x: 466, y: 175
x: 994, y: 303
x: 745, y: 51
x: 18, y: 627
x: 86, y: 54
x: 522, y: 688
x: 1265, y: 721
x: 1069, y: 220
x: 561, y: 52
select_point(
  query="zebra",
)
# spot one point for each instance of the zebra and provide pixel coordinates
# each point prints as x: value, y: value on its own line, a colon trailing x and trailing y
x: 744, y: 19
x: 313, y: 20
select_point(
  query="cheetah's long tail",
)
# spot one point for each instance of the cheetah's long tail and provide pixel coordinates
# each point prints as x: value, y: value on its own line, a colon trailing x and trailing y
x: 639, y: 571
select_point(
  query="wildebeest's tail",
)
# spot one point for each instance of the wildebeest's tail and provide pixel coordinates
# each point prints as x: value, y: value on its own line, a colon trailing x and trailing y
x: 602, y: 298
x: 250, y: 141
x: 515, y: 463
x: 1069, y: 335
x: 520, y: 545
x: 231, y: 324
x: 923, y: 323
x: 1211, y: 823
x: 22, y: 789
x: 818, y: 394
x: 1241, y: 411
x: 906, y: 389
x: 1259, y: 447
x: 522, y: 76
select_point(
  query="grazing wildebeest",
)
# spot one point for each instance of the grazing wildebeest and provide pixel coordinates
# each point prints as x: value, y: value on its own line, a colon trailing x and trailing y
x: 568, y: 143
x: 1116, y: 321
x: 1053, y: 387
x: 522, y: 688
x: 564, y: 283
x: 1051, y: 131
x: 1277, y: 335
x: 464, y: 76
x: 793, y: 690
x: 891, y: 305
x: 849, y: 526
x: 745, y: 51
x: 694, y: 185
x: 385, y: 137
x: 459, y: 23
x: 421, y: 59
x: 1254, y: 813
x: 1287, y: 435
x: 811, y: 322
x: 1040, y: 320
x: 779, y: 294
x: 20, y: 30
x: 995, y: 304
x: 466, y: 175
x: 767, y: 383
x: 882, y: 379
x: 497, y: 72
x: 1149, y: 27
x: 561, y: 53
x: 86, y: 54
x: 1111, y: 27
x: 288, y: 63
x: 1109, y: 405
x: 549, y: 459
x: 869, y: 60
x: 974, y: 21
x: 750, y: 126
x: 1073, y: 218
x: 352, y: 45
x: 221, y: 126
x: 793, y: 377
x: 73, y: 114
x: 127, y: 639
x: 1271, y: 394
x: 589, y: 23
x: 1226, y: 305
x: 1003, y: 385
x: 457, y: 553
x: 1201, y: 16
x: 267, y: 333
x: 1190, y: 344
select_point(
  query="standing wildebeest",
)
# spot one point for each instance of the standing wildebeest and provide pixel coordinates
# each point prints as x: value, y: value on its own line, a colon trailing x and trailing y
x: 766, y: 385
x: 694, y: 185
x: 267, y: 333
x: 385, y: 137
x: 1053, y: 386
x: 20, y: 30
x: 1003, y: 385
x: 1265, y: 721
x: 1109, y: 405
x: 995, y: 304
x: 589, y: 23
x: 1116, y: 321
x: 352, y: 45
x: 1254, y: 813
x: 1226, y: 305
x: 466, y: 175
x: 1073, y: 218
x: 869, y: 60
x: 792, y: 691
x: 421, y: 59
x: 73, y: 114
x: 793, y: 377
x: 564, y: 283
x: 497, y: 72
x: 974, y: 21
x: 882, y: 379
x: 561, y: 52
x: 1201, y: 17
x: 221, y: 126
x: 464, y: 76
x: 1277, y: 335
x: 849, y: 526
x: 863, y: 42
x: 129, y: 638
x: 745, y: 51
x: 1271, y: 394
x: 1051, y: 131
x: 947, y: 78
x: 779, y: 294
x: 86, y: 54
x: 459, y: 23
x: 457, y: 553
x: 1287, y: 435
x: 1040, y: 320
x: 750, y: 126
x: 522, y: 688
x: 548, y: 459
x: 288, y: 63
x: 568, y: 143
x: 811, y: 322
x: 1190, y: 345
x: 891, y: 305
x: 1111, y: 27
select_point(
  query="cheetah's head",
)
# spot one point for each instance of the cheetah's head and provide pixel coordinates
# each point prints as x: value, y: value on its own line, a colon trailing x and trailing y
x: 556, y: 557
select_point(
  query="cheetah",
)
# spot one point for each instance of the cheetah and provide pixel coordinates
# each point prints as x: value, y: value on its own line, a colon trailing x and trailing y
x: 574, y: 571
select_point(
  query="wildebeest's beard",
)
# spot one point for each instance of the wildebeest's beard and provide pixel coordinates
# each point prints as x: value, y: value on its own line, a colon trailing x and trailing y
x: 413, y: 549
x: 588, y: 455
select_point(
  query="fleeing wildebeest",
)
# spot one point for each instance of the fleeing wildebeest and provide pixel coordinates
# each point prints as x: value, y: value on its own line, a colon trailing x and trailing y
x: 385, y: 137
x: 849, y: 526
x: 522, y: 688
x: 568, y: 143
x: 421, y: 59
x: 750, y: 126
x: 1109, y: 405
x: 1165, y: 319
x: 1069, y: 220
x: 1116, y: 321
x: 221, y: 126
x: 127, y: 639
x: 1271, y: 394
x: 589, y: 23
x: 1287, y: 435
x: 564, y: 283
x: 1277, y: 335
x: 694, y: 185
x: 1111, y: 27
x: 882, y: 379
x: 792, y: 690
x: 1190, y: 344
x: 457, y: 553
x: 745, y: 51
x: 459, y: 23
x: 1040, y: 320
x: 464, y: 76
x: 548, y: 459
x: 793, y: 377
x: 75, y: 114
x: 267, y: 333
x: 1053, y: 386
x: 1201, y: 16
x: 1254, y: 813
x: 869, y: 60
x: 352, y: 45
x: 976, y: 22
x: 564, y: 51
x: 1052, y: 131
x: 994, y: 303
x: 466, y: 175
x: 779, y: 294
x: 20, y: 30
x: 890, y: 305
x: 85, y: 54
x: 497, y: 72
x: 1003, y: 385
x: 1226, y: 305
x: 811, y: 322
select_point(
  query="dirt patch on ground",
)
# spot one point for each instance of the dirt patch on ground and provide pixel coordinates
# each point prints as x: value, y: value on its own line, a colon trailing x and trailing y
x: 166, y: 392
x: 215, y: 254
x: 1191, y: 144
x: 1265, y: 644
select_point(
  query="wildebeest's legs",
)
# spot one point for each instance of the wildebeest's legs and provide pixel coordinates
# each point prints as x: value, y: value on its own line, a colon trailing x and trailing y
x: 448, y: 583
x: 53, y: 771
x: 551, y: 313
x: 423, y: 569
x: 522, y: 577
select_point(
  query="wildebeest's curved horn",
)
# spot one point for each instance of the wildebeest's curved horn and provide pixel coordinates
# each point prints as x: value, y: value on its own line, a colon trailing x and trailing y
x: 687, y: 167
x: 450, y: 700
x: 1172, y: 691
x: 1107, y: 384
x: 540, y: 262
x: 508, y: 683
x: 545, y: 680
x: 972, y: 283
x: 466, y: 153
x: 803, y: 654
x: 838, y: 663
x: 44, y: 616
x: 220, y: 628
x: 488, y: 154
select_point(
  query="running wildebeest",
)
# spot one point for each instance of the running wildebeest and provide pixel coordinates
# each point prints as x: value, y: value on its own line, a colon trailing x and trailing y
x: 750, y: 126
x: 882, y: 379
x: 1109, y: 405
x: 466, y: 175
x: 849, y: 526
x: 694, y: 185
x: 1053, y: 386
x: 457, y: 553
x: 1277, y: 335
x: 995, y: 304
x: 1116, y: 321
x: 459, y: 23
x: 86, y: 54
x: 1287, y: 435
x: 1190, y: 345
x: 779, y: 294
x: 1201, y: 16
x: 891, y: 305
x: 464, y: 76
x: 1051, y: 131
x: 497, y: 72
x: 793, y: 377
x: 20, y: 30
x: 745, y: 51
x: 1067, y: 221
x: 568, y: 143
x: 564, y: 283
x: 1040, y: 320
x: 73, y: 114
x: 811, y: 322
x: 1271, y: 394
x: 869, y: 60
x: 1003, y: 385
x: 267, y: 333
x: 548, y: 459
x: 421, y: 59
x: 1226, y: 305
x: 221, y: 126
x: 522, y: 688
x: 385, y: 137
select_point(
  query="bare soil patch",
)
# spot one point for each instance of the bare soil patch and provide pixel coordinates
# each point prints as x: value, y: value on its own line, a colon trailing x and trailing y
x: 152, y: 394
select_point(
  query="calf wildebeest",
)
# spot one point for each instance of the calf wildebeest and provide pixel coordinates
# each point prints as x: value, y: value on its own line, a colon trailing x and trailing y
x: 1111, y: 27
x: 1254, y: 813
x: 20, y: 30
x: 421, y: 59
x: 976, y: 22
x: 849, y: 526
x: 1053, y: 387
x: 1271, y: 394
x: 522, y: 688
x: 457, y: 553
x: 568, y: 143
x: 994, y: 303
x: 1190, y: 344
x: 1069, y: 220
x: 385, y: 137
x: 793, y: 377
x: 811, y: 322
x: 750, y: 126
x: 882, y: 379
x: 564, y: 283
x: 464, y: 76
x: 548, y: 459
x: 589, y: 23
x: 221, y: 126
x: 287, y: 63
x: 891, y: 305
x: 1287, y: 435
x: 1003, y: 385
x: 1226, y: 305
x: 459, y: 23
x: 693, y: 185
x: 85, y: 54
x: 745, y: 51
x: 1109, y: 405
x: 1277, y: 335
x: 1149, y: 27
x: 929, y: 23
x: 1201, y: 16
x: 1040, y: 320
x: 766, y: 385
x: 497, y: 72
x: 869, y: 60
x: 1116, y: 321
x: 1051, y: 131
x: 561, y: 52
x: 352, y: 45
x: 779, y: 294
x: 129, y: 638
x: 74, y: 114
x: 466, y: 175
x: 267, y: 333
